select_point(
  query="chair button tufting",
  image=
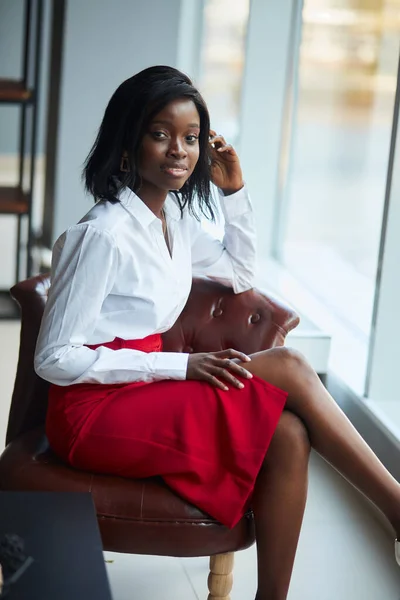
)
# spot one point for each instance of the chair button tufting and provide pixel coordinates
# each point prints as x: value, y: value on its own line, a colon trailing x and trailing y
x: 217, y: 312
x: 255, y: 318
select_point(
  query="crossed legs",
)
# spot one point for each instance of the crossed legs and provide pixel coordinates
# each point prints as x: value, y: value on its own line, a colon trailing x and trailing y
x: 313, y: 418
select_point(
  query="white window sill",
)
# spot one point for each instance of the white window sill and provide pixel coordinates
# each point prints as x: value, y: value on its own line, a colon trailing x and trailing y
x: 307, y: 337
x: 348, y: 351
x: 346, y: 357
x: 386, y: 415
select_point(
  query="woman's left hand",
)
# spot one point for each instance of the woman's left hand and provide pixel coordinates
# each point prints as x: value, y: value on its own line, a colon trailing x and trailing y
x: 226, y: 172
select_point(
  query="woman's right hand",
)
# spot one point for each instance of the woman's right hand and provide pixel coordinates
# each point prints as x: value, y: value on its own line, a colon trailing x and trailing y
x: 218, y: 367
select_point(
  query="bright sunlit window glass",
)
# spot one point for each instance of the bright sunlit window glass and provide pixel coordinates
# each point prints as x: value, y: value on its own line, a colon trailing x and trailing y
x: 222, y: 63
x: 223, y: 54
x: 339, y: 157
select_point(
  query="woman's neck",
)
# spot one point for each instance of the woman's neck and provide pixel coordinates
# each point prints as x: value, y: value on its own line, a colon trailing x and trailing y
x: 153, y: 197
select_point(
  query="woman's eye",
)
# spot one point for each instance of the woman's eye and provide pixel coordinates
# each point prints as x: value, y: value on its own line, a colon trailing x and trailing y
x: 192, y: 139
x: 159, y: 135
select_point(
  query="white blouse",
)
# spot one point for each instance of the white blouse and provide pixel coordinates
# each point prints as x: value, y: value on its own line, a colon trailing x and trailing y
x: 113, y: 276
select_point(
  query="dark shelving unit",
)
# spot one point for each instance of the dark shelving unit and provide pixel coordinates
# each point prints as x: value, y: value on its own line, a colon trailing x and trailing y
x: 23, y: 92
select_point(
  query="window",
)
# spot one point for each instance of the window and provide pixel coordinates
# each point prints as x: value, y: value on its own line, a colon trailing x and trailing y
x: 331, y: 215
x: 222, y: 62
x: 221, y: 71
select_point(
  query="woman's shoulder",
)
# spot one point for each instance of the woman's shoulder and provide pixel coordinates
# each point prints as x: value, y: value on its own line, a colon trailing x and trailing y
x: 85, y: 234
x: 103, y: 220
x: 94, y: 226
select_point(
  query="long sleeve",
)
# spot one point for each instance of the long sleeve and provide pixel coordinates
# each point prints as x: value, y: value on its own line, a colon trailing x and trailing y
x: 232, y: 261
x: 84, y: 267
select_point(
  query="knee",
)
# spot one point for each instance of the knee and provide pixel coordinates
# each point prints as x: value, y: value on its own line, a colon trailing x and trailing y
x: 294, y: 361
x: 291, y: 437
x: 290, y: 355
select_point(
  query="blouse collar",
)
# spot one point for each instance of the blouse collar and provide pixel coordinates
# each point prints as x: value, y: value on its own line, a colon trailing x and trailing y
x: 138, y: 209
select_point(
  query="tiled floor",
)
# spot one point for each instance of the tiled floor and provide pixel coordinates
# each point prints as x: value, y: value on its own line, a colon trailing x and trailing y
x: 344, y: 552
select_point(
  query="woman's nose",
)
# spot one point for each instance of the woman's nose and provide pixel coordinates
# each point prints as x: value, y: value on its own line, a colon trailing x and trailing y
x: 176, y: 148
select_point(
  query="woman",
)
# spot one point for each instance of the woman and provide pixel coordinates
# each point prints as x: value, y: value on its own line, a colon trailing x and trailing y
x: 221, y: 428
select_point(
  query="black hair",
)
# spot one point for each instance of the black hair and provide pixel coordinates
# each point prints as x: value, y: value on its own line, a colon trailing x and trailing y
x: 131, y: 108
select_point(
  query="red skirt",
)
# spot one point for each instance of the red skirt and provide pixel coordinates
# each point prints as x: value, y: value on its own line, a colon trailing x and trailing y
x: 207, y: 444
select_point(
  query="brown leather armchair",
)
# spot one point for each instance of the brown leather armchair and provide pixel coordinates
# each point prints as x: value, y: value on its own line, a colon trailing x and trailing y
x: 141, y: 516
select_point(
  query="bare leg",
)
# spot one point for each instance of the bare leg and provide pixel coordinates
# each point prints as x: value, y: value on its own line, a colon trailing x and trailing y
x: 330, y: 432
x: 278, y: 503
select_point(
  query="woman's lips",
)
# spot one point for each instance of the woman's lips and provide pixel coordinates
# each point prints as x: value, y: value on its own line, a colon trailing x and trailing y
x: 174, y: 172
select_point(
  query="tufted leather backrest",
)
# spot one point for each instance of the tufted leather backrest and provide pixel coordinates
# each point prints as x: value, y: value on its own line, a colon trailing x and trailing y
x: 214, y: 319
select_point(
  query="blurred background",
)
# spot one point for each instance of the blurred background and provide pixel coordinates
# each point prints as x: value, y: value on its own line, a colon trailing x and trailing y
x: 308, y: 92
x: 304, y: 90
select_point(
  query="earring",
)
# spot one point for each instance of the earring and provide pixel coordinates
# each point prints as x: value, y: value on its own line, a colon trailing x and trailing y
x: 124, y: 164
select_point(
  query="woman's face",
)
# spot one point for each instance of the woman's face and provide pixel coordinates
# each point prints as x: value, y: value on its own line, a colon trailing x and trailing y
x: 170, y: 146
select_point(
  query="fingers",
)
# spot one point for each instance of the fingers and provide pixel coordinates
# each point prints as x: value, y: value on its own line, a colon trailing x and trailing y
x: 226, y: 369
x: 220, y: 368
x: 231, y: 353
x: 230, y: 365
x: 218, y: 144
x: 217, y: 141
x: 227, y: 148
x: 215, y: 382
x: 224, y: 374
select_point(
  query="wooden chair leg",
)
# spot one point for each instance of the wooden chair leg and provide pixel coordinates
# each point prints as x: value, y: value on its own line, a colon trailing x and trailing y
x: 220, y: 579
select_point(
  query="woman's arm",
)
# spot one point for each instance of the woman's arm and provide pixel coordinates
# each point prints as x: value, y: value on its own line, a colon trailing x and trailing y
x: 85, y: 264
x: 232, y: 261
